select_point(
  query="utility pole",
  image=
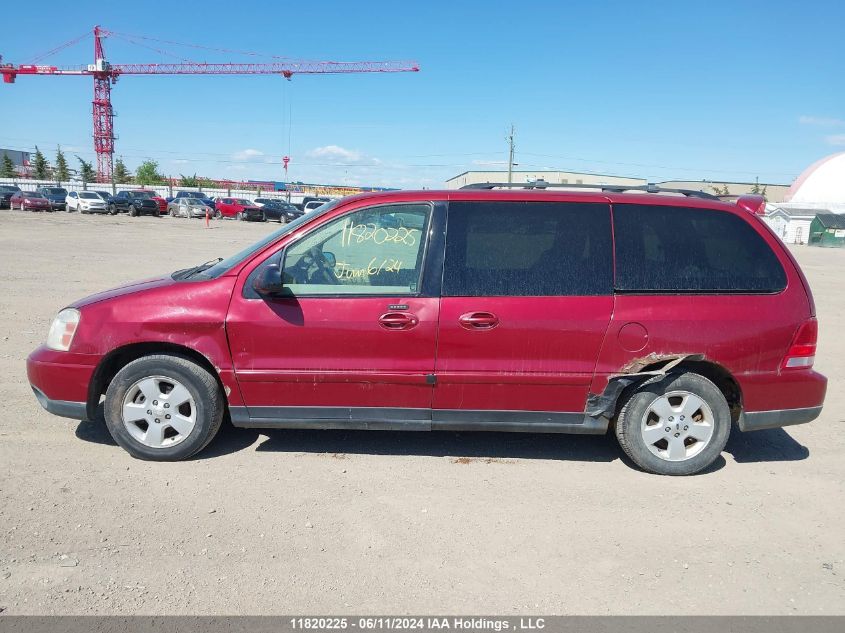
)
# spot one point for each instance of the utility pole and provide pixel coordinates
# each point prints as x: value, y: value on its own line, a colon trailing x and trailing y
x: 510, y: 156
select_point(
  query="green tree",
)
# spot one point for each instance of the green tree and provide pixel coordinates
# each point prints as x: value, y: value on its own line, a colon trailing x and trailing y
x: 86, y: 171
x: 7, y: 167
x: 61, y: 171
x: 147, y: 173
x: 40, y: 166
x: 721, y: 191
x: 188, y: 181
x: 121, y: 174
x: 758, y: 189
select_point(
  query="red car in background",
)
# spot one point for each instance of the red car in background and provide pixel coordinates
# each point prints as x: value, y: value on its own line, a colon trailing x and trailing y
x: 30, y: 200
x: 239, y: 208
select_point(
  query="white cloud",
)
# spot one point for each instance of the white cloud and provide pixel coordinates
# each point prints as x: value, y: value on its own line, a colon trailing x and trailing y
x: 247, y: 154
x: 835, y: 139
x: 179, y: 161
x: 820, y: 120
x: 337, y: 154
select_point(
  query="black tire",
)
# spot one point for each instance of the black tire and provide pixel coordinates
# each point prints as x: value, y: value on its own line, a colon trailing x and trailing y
x: 218, y: 215
x: 263, y: 217
x: 112, y: 210
x: 200, y: 384
x: 636, y: 406
x: 133, y: 212
x: 240, y: 216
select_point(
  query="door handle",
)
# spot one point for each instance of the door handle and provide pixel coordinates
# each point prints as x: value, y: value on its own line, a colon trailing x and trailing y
x: 397, y: 321
x: 478, y: 320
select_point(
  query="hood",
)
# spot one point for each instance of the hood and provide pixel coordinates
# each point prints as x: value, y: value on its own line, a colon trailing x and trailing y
x: 126, y: 289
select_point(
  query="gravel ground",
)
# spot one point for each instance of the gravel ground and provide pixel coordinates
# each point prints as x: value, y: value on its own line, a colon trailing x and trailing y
x: 376, y: 522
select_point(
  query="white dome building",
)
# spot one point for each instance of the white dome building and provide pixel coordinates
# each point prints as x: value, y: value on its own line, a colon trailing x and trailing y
x: 821, y: 185
x: 820, y: 188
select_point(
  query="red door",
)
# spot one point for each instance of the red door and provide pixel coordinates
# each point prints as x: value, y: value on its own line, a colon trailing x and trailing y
x: 527, y: 299
x: 353, y: 345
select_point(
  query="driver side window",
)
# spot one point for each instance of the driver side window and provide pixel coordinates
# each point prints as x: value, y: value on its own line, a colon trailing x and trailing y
x: 372, y: 251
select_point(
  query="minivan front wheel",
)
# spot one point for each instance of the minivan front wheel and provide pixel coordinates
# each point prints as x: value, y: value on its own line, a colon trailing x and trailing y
x: 163, y: 408
x: 676, y: 426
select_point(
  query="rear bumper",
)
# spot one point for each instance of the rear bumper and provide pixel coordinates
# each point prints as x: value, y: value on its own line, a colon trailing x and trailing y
x: 759, y: 420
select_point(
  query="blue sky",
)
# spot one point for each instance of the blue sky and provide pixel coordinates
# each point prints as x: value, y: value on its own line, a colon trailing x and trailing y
x: 662, y: 90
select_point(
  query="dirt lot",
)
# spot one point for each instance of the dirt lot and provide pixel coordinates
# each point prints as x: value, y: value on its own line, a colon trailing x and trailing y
x: 368, y: 522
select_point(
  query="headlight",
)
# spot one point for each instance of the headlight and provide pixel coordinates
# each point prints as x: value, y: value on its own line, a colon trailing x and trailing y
x: 27, y: 201
x: 62, y: 330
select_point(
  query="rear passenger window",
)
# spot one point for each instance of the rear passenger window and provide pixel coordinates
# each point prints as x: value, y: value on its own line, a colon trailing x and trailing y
x: 527, y: 249
x: 688, y: 250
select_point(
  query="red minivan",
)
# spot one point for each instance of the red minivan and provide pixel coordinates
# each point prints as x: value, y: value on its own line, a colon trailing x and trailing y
x: 664, y: 317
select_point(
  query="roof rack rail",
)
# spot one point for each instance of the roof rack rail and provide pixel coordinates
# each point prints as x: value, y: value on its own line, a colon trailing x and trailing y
x: 542, y: 184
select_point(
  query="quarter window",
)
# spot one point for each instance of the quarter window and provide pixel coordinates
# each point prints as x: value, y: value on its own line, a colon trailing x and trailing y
x: 528, y: 249
x: 373, y: 251
x: 672, y: 249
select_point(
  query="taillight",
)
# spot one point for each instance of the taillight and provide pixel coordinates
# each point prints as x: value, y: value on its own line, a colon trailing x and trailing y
x: 802, y: 351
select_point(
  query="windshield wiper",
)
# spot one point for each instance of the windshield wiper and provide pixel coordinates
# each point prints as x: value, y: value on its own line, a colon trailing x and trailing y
x: 187, y: 272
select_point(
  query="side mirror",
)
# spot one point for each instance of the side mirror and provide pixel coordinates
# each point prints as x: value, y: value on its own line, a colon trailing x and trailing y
x: 268, y: 283
x: 330, y: 259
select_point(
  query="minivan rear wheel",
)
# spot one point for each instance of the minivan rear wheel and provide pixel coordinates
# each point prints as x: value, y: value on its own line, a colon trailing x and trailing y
x: 163, y: 408
x: 676, y: 426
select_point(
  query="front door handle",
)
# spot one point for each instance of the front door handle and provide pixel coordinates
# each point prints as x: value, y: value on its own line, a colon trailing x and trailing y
x: 478, y: 320
x: 398, y: 321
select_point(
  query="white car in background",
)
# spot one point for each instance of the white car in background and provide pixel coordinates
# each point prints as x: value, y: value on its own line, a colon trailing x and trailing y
x: 85, y: 202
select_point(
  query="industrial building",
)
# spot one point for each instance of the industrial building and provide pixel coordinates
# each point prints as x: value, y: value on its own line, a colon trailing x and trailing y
x: 20, y: 159
x: 555, y: 177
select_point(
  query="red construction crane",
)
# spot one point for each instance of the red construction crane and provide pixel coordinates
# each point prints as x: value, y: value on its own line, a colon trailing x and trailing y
x: 105, y: 74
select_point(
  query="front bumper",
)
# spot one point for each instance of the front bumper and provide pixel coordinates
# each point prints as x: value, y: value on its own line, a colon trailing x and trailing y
x: 61, y: 408
x: 58, y: 205
x: 60, y: 380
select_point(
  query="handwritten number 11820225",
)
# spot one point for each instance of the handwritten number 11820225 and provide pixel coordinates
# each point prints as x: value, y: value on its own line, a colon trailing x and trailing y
x: 361, y: 233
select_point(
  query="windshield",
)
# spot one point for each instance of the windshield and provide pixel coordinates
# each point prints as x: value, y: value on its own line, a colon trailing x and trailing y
x: 34, y: 196
x: 190, y: 194
x: 242, y: 202
x: 9, y: 188
x: 193, y: 202
x: 104, y: 195
x: 142, y: 194
x: 89, y: 195
x: 56, y: 191
x: 223, y: 266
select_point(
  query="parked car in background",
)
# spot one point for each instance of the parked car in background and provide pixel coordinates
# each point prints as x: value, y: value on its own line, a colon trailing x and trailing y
x: 56, y: 196
x: 260, y: 202
x: 30, y: 201
x: 193, y: 194
x: 107, y: 197
x: 281, y: 211
x: 86, y: 202
x: 662, y: 319
x: 6, y: 192
x: 308, y: 199
x: 134, y: 203
x: 188, y: 208
x: 239, y: 208
x: 161, y: 202
x: 314, y: 204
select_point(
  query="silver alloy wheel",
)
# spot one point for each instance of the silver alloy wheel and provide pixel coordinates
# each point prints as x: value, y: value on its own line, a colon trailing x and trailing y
x: 159, y: 411
x: 677, y: 426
